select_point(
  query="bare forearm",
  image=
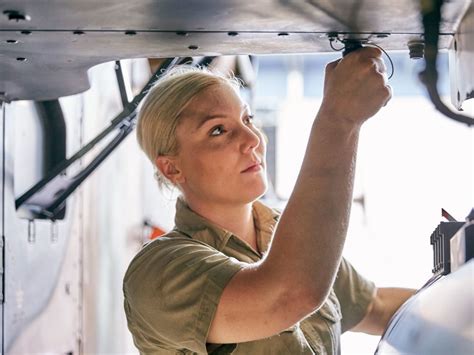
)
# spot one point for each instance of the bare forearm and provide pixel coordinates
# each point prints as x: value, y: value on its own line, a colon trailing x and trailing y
x: 313, y: 227
x: 310, y: 237
x: 391, y: 299
x: 384, y: 305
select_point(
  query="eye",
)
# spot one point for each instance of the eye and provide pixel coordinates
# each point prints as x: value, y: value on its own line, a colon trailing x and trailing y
x: 248, y: 119
x: 217, y: 131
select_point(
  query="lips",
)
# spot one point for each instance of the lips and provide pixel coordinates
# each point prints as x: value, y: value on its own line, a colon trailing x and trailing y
x: 253, y: 167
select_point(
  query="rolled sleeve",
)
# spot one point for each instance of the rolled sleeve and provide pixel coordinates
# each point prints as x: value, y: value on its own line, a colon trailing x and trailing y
x: 354, y: 292
x: 172, y: 290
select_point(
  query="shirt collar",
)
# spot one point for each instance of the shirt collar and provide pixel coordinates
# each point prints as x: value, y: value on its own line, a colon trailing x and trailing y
x: 199, y: 228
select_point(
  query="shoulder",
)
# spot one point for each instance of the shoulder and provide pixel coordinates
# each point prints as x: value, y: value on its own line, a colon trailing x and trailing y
x: 172, y: 288
x: 157, y: 254
x: 161, y: 261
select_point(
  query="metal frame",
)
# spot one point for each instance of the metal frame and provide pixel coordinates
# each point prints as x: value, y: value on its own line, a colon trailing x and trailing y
x: 48, y: 196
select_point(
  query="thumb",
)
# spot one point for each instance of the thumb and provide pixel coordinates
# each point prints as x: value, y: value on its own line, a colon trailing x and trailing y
x: 330, y: 67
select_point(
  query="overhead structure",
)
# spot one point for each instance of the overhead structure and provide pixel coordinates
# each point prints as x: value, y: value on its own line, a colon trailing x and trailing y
x: 48, y: 46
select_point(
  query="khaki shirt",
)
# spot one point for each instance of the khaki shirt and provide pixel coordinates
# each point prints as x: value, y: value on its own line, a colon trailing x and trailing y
x: 173, y: 285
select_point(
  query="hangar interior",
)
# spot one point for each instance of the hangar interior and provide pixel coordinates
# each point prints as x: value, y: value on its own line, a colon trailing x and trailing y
x: 79, y: 198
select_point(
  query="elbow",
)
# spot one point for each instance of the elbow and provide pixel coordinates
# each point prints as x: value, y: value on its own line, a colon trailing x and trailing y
x: 314, y: 296
x: 301, y: 301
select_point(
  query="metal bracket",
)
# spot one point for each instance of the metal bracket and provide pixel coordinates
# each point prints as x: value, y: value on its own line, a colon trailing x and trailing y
x: 46, y: 198
x: 431, y: 15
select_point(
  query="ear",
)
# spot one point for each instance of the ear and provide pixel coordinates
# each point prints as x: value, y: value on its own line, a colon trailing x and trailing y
x: 169, y: 167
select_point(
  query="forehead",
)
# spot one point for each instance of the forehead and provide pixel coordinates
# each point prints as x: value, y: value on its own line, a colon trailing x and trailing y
x: 215, y: 100
x: 214, y: 96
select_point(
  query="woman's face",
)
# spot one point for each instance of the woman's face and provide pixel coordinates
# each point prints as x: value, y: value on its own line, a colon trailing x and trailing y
x: 221, y: 157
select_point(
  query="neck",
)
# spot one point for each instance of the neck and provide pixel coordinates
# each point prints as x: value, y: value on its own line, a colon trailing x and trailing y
x: 235, y: 218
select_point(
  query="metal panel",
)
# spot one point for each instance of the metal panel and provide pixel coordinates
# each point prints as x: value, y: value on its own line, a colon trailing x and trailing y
x: 48, y: 55
x: 437, y: 320
x: 2, y: 217
x: 462, y: 61
x: 34, y: 250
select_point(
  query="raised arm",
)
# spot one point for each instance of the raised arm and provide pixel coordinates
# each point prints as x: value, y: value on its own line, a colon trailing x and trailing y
x: 297, y: 273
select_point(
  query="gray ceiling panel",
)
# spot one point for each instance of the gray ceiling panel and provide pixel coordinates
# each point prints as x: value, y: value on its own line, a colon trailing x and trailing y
x: 41, y: 57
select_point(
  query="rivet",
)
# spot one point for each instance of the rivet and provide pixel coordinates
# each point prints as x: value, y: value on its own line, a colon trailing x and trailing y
x: 25, y: 32
x: 11, y: 41
x: 79, y: 33
x: 130, y: 33
x: 193, y: 47
x: 181, y: 33
x: 382, y: 35
x: 21, y: 59
x: 232, y: 34
x: 283, y: 34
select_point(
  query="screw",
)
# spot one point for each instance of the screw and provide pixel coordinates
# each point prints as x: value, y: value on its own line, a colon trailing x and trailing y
x: 21, y: 59
x: 283, y: 34
x: 130, y: 33
x: 232, y: 33
x: 181, y: 33
x: 79, y: 33
x: 417, y: 49
x: 25, y: 32
x: 11, y: 41
x: 193, y: 47
x: 14, y: 15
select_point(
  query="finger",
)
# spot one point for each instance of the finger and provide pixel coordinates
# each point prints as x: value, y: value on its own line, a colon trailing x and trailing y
x: 380, y: 64
x: 329, y: 69
x: 332, y: 65
x: 390, y: 94
x: 370, y: 52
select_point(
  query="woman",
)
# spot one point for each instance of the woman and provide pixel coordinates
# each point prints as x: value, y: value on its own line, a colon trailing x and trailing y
x: 233, y: 276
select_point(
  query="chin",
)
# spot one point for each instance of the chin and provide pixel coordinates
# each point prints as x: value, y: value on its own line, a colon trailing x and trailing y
x: 257, y: 191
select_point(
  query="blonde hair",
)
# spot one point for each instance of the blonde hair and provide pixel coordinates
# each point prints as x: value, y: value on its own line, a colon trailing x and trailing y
x: 161, y: 110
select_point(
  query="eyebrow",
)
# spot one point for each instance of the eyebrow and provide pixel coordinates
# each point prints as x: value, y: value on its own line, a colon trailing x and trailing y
x: 245, y: 107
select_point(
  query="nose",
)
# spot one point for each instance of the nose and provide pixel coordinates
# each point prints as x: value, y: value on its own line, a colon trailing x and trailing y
x: 250, y: 139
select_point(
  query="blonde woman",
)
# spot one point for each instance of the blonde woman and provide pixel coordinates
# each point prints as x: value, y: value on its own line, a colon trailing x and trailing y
x: 235, y: 276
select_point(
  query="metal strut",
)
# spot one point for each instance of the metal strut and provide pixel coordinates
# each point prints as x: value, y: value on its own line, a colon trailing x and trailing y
x: 431, y: 17
x: 46, y: 198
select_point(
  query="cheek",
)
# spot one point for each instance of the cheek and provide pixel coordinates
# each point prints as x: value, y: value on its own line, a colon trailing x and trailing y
x: 209, y: 162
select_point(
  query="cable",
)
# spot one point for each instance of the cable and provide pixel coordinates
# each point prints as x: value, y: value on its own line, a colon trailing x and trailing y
x: 390, y: 59
x: 431, y: 17
x: 332, y: 39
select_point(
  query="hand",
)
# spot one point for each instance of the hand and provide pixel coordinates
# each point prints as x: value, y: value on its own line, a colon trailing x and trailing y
x: 355, y: 87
